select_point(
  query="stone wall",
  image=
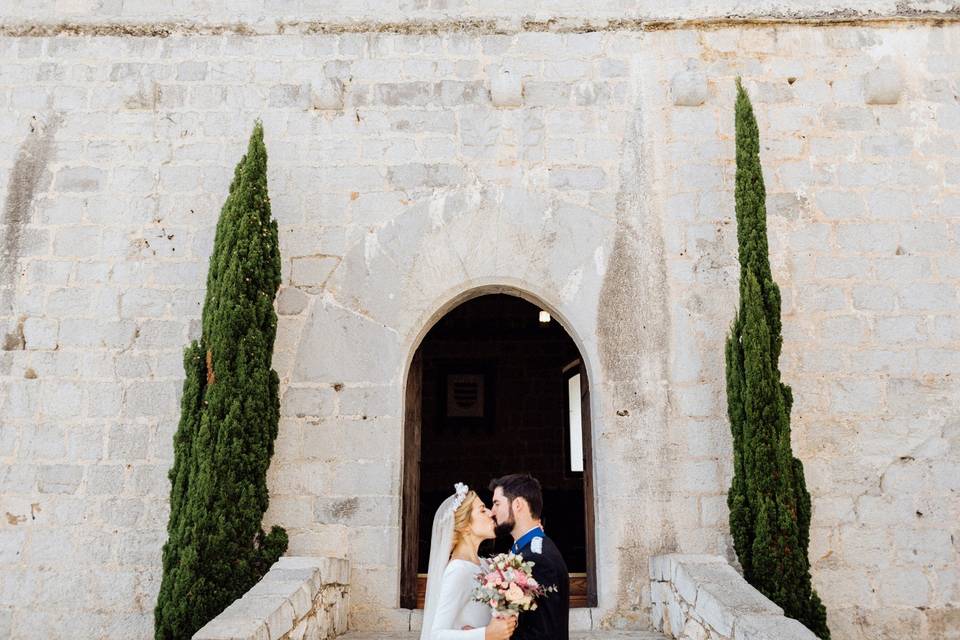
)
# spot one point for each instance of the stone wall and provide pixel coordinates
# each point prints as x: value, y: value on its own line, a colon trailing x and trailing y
x: 264, y: 16
x: 701, y: 597
x: 298, y: 599
x: 400, y: 188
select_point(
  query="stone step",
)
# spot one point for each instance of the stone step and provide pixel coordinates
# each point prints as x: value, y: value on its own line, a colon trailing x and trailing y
x: 578, y: 635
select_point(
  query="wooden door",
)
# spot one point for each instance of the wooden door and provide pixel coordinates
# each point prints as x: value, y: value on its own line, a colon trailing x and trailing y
x: 590, y: 522
x: 410, y: 524
x: 583, y: 587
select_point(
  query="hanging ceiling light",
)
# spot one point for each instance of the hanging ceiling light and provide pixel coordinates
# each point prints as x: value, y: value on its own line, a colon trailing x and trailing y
x: 544, y: 316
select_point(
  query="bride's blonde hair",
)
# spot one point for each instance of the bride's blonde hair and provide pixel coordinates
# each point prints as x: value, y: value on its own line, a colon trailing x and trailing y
x: 461, y: 518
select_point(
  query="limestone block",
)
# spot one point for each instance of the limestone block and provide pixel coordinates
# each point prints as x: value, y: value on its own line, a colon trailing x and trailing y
x: 368, y: 401
x: 418, y: 177
x: 928, y: 296
x: 578, y: 178
x: 357, y: 479
x: 724, y: 594
x: 192, y: 70
x: 694, y: 630
x: 855, y: 396
x: 657, y: 615
x: 581, y: 619
x: 233, y: 628
x: 685, y: 584
x: 127, y: 442
x: 278, y: 615
x: 79, y: 179
x: 290, y: 601
x: 356, y: 511
x: 43, y: 441
x: 298, y: 562
x: 707, y: 598
x: 336, y: 331
x: 587, y: 93
x: 60, y: 478
x: 335, y: 570
x: 537, y: 93
x: 661, y: 567
x: 298, y: 593
x: 151, y: 333
x: 340, y: 618
x: 312, y: 271
x: 40, y: 333
x: 506, y: 88
x: 925, y: 237
x: 11, y: 545
x: 105, y: 479
x: 770, y: 627
x: 688, y: 89
x: 840, y: 204
x: 327, y: 94
x: 21, y: 398
x: 676, y: 617
x: 285, y: 96
x: 143, y: 302
x: 121, y: 512
x: 313, y: 402
x: 882, y: 86
x: 299, y: 632
x: 61, y: 399
x: 150, y: 398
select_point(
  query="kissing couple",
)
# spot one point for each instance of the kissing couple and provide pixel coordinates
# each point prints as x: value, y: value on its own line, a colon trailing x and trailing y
x: 461, y: 523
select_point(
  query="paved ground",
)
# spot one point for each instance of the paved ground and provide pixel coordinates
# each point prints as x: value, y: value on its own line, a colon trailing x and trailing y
x: 589, y: 635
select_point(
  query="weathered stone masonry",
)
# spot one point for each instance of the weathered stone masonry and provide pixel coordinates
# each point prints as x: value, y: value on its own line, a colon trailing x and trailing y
x: 401, y: 188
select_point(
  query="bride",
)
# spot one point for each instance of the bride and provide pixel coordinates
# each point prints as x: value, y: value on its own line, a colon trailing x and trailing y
x: 462, y: 522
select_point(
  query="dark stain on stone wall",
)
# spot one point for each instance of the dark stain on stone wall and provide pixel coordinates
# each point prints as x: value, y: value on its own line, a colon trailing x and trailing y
x: 632, y: 315
x: 632, y: 334
x: 14, y: 340
x: 28, y: 169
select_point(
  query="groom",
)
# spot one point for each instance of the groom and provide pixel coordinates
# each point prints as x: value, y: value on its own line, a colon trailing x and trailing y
x: 517, y: 507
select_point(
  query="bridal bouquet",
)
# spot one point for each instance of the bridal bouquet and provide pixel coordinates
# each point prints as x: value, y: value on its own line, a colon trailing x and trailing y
x: 508, y: 586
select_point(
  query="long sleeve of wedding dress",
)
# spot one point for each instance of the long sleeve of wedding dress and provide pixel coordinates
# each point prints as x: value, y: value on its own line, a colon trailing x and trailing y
x: 456, y: 607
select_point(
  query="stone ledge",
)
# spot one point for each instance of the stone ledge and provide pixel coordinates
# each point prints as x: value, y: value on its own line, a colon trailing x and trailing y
x: 164, y: 22
x: 703, y: 597
x: 300, y: 597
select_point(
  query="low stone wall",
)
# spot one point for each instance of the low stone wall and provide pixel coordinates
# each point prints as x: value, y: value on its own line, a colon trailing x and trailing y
x: 701, y: 597
x: 298, y: 599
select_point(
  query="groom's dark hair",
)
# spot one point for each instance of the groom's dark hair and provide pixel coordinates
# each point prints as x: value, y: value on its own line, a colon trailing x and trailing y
x: 521, y: 485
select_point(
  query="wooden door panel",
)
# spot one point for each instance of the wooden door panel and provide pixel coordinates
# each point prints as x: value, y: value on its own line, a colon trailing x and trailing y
x: 411, y: 485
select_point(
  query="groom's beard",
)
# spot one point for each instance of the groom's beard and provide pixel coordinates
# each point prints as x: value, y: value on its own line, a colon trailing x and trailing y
x: 505, y: 528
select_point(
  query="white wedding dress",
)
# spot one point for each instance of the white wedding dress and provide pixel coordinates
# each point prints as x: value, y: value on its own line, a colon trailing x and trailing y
x: 450, y: 584
x: 456, y: 607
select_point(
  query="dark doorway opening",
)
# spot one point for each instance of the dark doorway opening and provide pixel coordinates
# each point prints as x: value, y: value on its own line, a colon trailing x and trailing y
x: 497, y: 386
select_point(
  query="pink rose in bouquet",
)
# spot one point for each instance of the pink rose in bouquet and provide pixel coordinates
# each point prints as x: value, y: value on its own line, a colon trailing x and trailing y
x: 508, y: 586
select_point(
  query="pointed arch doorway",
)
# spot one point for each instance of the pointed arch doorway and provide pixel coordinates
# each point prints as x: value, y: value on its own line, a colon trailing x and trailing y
x: 498, y: 386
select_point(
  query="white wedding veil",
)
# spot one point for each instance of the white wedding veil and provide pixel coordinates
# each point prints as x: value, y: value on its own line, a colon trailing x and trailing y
x: 441, y: 544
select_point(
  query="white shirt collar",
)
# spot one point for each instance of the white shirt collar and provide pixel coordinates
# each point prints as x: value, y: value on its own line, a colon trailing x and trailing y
x: 536, y: 526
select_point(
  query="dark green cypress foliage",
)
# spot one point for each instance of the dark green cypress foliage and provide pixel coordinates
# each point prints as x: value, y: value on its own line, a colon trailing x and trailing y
x: 216, y: 549
x: 768, y: 498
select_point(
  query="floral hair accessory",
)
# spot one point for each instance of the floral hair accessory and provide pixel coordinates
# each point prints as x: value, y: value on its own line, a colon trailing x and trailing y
x: 461, y: 493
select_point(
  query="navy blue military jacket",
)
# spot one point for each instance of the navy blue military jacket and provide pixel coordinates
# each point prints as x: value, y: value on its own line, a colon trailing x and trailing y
x: 551, y: 619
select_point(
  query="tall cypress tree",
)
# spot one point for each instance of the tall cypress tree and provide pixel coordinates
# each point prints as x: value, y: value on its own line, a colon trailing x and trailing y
x: 768, y: 498
x: 216, y: 549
